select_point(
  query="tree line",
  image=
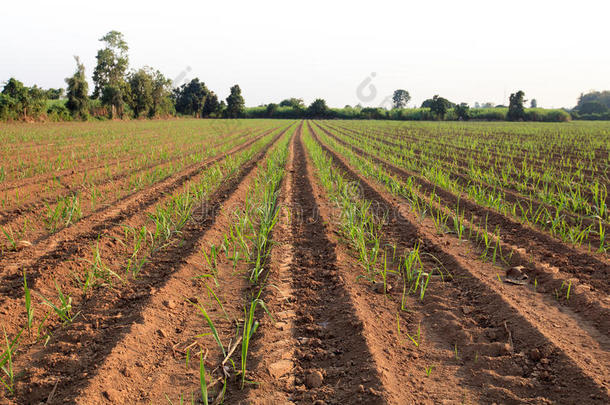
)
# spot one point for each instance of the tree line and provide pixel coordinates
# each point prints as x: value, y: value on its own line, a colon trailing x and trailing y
x: 117, y: 93
x: 435, y: 108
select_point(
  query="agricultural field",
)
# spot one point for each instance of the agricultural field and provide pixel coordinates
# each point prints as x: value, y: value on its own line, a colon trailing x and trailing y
x: 193, y: 261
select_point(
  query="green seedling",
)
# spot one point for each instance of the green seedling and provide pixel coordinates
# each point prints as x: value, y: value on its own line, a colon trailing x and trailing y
x: 202, y: 381
x: 415, y: 339
x: 6, y: 361
x: 64, y: 308
x: 429, y: 370
x: 29, y: 309
x: 211, y: 325
x: 10, y: 237
x: 250, y: 327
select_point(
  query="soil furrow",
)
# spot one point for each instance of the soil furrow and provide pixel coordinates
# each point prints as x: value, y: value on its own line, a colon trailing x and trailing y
x: 588, y: 268
x: 513, y: 196
x: 527, y: 333
x: 8, y: 217
x: 61, y: 245
x: 332, y: 360
x: 117, y: 323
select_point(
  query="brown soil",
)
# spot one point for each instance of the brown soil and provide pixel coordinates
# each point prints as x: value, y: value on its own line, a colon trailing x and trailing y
x: 332, y: 337
x: 83, y: 362
x: 474, y: 315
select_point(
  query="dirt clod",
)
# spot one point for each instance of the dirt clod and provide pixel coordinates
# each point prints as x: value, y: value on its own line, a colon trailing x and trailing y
x: 111, y: 395
x: 22, y: 244
x: 535, y: 354
x: 314, y: 379
x: 516, y: 275
x: 280, y: 368
x: 379, y: 288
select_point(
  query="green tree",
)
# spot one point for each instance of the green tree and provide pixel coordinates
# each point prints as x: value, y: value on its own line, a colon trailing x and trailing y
x: 78, y: 101
x: 602, y: 97
x: 293, y: 102
x: 235, y: 103
x: 190, y: 98
x: 318, y: 109
x: 373, y: 113
x: 21, y: 101
x: 592, y: 107
x: 112, y: 62
x: 534, y: 103
x: 113, y: 96
x: 462, y: 111
x: 211, y: 106
x: 54, y: 94
x: 109, y: 73
x: 271, y: 109
x: 400, y: 98
x: 141, y: 84
x: 439, y: 106
x: 515, y: 108
x: 163, y: 104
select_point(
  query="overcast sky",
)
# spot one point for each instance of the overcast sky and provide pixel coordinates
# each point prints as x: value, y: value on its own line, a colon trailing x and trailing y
x: 465, y: 50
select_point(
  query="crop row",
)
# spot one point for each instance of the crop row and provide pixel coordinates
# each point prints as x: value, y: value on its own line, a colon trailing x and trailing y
x: 556, y: 218
x: 130, y: 249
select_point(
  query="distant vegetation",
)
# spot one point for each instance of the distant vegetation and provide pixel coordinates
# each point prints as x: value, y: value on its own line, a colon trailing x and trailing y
x: 118, y: 92
x: 123, y: 93
x: 593, y: 106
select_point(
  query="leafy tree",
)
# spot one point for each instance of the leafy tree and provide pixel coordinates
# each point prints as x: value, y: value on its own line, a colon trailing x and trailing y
x: 211, y: 106
x: 271, y: 109
x: 149, y: 93
x: 54, y: 94
x: 235, y: 103
x: 222, y: 109
x: 462, y: 111
x: 161, y: 95
x: 58, y: 112
x: 14, y: 96
x: 293, y: 102
x: 112, y: 62
x: 373, y: 113
x: 488, y: 104
x: 141, y: 92
x: 439, y: 106
x: 21, y: 101
x: 78, y: 101
x: 113, y: 96
x: 515, y: 107
x: 318, y: 109
x: 602, y: 97
x: 534, y: 103
x: 400, y: 98
x: 190, y: 97
x: 592, y: 107
x: 109, y: 73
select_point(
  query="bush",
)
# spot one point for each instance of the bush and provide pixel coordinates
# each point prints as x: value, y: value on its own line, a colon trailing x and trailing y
x: 544, y: 115
x: 488, y: 114
x: 58, y: 112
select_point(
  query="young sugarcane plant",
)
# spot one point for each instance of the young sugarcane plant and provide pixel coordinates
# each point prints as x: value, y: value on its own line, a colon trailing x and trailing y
x: 29, y: 309
x: 250, y: 327
x: 64, y: 308
x: 6, y: 361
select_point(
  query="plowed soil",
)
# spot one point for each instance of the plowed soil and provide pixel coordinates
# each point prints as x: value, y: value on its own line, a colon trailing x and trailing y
x: 331, y: 336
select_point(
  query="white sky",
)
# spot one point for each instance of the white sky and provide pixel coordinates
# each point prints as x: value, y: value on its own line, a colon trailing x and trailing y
x: 466, y: 51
